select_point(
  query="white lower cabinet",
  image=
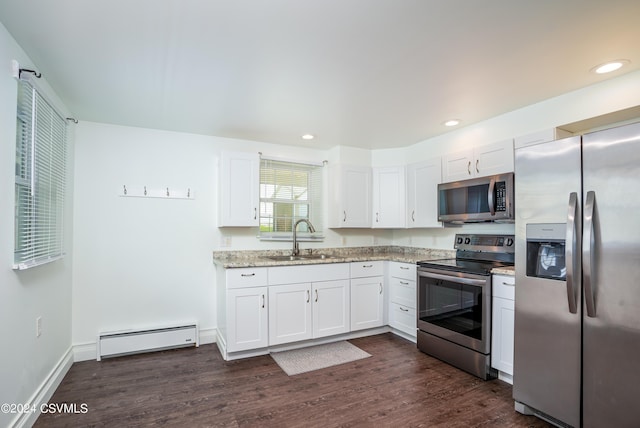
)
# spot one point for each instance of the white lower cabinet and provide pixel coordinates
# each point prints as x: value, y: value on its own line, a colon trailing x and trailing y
x: 402, y: 297
x: 289, y: 313
x: 502, y: 328
x: 248, y: 321
x: 367, y: 295
x: 330, y: 307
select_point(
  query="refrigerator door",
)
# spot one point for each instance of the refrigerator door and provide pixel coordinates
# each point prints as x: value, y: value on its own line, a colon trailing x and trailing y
x: 611, y: 270
x: 547, y: 334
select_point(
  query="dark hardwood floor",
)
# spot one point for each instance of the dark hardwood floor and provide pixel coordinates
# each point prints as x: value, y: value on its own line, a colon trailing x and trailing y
x: 398, y: 386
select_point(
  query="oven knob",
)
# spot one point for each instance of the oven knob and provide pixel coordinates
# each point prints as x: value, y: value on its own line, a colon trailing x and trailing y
x: 509, y: 242
x: 459, y: 240
x: 467, y: 241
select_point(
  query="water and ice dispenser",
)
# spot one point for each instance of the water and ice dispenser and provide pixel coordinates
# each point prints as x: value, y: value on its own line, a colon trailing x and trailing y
x: 546, y: 250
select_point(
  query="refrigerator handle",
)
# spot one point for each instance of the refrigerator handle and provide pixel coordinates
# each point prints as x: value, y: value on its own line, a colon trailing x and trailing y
x: 571, y: 248
x: 492, y: 207
x: 587, y: 253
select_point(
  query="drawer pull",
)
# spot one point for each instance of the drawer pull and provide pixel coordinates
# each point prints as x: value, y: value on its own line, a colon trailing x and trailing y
x: 508, y: 283
x: 403, y: 309
x: 404, y: 267
x: 367, y: 266
x: 247, y: 274
x: 404, y: 283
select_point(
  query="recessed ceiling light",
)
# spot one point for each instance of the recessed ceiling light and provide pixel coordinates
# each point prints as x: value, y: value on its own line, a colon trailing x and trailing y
x: 452, y: 122
x: 610, y: 66
x: 308, y: 137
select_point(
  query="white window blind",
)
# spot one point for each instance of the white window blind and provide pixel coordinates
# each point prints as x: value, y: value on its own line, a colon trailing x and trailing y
x: 289, y: 192
x: 40, y: 179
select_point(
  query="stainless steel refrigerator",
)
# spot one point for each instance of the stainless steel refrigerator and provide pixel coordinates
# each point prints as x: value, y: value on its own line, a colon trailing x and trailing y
x: 577, y: 304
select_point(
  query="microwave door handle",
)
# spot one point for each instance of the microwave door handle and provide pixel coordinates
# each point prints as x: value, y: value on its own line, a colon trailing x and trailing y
x: 571, y: 247
x: 491, y: 196
x: 588, y: 242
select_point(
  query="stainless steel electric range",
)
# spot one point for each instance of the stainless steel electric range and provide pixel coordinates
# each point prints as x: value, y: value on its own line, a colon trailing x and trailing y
x: 454, y: 302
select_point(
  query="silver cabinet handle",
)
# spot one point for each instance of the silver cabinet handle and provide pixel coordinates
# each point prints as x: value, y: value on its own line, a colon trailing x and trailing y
x: 477, y: 161
x: 403, y: 309
x: 247, y: 274
x: 376, y: 217
x: 413, y: 215
x: 404, y: 283
x: 263, y: 300
x: 571, y: 246
x: 255, y: 213
x: 469, y: 168
x: 380, y: 288
x: 588, y: 242
x: 404, y: 268
x: 492, y: 207
x: 308, y: 296
x: 367, y: 266
x: 509, y: 283
x: 316, y: 295
x: 345, y: 216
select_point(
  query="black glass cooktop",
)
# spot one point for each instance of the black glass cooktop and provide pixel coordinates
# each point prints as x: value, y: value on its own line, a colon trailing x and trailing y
x: 479, y: 267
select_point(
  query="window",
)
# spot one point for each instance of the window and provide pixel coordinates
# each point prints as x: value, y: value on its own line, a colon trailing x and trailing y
x: 40, y: 179
x: 289, y: 192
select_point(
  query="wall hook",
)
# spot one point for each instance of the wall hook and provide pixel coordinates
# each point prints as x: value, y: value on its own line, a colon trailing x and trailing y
x: 26, y: 70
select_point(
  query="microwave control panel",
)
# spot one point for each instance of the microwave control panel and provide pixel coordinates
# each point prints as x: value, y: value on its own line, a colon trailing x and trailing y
x: 501, y: 196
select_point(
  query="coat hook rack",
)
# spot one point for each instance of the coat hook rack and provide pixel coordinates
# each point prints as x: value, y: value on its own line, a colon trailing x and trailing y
x: 164, y: 192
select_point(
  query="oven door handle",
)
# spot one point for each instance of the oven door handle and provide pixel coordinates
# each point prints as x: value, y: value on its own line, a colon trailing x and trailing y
x: 452, y: 278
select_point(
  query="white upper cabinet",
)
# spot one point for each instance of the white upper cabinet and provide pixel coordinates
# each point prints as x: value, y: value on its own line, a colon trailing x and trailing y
x: 480, y: 161
x: 239, y: 189
x: 422, y: 193
x: 350, y: 196
x: 389, y: 197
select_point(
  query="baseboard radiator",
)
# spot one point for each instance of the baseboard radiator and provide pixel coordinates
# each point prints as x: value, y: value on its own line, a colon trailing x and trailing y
x: 114, y: 344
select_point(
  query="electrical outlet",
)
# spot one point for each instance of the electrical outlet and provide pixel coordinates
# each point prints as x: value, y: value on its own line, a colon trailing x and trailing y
x: 38, y: 326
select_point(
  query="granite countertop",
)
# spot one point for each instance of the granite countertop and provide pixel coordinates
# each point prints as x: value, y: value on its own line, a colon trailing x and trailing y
x: 248, y: 258
x: 507, y: 270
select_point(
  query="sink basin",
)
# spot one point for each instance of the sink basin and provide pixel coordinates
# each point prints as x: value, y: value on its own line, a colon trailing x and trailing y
x: 289, y: 258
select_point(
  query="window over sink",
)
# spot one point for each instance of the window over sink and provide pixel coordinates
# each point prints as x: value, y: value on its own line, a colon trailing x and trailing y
x: 290, y: 191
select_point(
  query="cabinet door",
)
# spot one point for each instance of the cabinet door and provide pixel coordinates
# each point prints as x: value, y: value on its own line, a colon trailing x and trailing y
x: 351, y: 196
x: 458, y: 166
x: 422, y: 193
x: 502, y: 335
x: 494, y: 158
x: 330, y: 308
x: 389, y: 197
x: 367, y: 303
x: 289, y: 313
x: 247, y: 319
x: 239, y: 189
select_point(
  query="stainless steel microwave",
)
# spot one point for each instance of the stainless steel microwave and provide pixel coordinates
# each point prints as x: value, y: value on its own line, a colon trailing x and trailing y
x: 477, y: 200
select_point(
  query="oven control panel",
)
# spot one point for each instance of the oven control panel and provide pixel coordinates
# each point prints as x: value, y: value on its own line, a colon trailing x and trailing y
x: 486, y: 243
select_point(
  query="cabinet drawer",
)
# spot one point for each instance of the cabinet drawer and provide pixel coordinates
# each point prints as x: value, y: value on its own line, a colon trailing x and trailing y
x: 402, y: 270
x: 402, y: 318
x: 403, y: 292
x: 364, y: 269
x: 246, y: 277
x: 504, y: 286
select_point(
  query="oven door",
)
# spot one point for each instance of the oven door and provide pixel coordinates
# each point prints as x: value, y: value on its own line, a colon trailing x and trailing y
x: 456, y: 307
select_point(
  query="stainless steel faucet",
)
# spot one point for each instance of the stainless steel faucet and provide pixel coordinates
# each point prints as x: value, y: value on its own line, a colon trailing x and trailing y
x: 312, y: 229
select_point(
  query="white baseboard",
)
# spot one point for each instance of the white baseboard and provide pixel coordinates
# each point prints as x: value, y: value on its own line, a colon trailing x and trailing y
x: 45, y: 391
x: 88, y: 350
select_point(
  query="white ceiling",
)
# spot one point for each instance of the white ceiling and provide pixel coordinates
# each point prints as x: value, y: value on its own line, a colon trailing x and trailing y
x: 364, y: 73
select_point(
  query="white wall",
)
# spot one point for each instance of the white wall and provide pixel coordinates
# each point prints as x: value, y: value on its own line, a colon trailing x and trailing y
x: 26, y: 362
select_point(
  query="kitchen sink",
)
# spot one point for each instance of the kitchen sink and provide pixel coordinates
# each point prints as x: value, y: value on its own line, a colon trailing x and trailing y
x: 288, y: 258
